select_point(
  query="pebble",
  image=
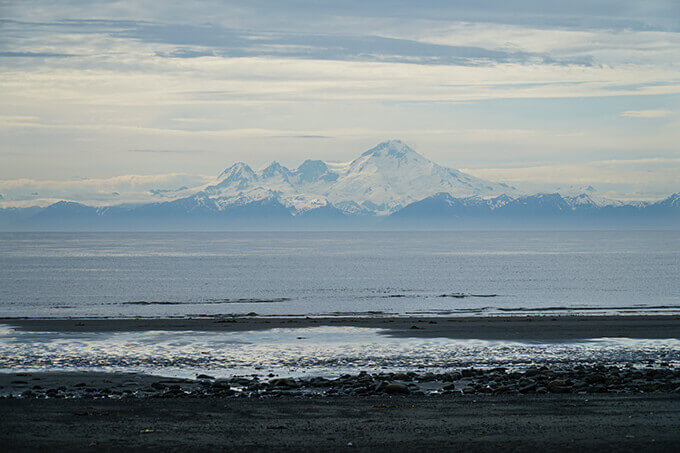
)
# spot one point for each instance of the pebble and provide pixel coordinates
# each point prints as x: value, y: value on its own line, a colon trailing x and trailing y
x: 469, y: 381
x: 395, y: 388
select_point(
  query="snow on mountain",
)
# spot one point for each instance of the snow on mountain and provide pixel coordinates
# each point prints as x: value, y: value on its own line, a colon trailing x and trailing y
x: 245, y: 197
x: 314, y: 171
x: 380, y: 181
x: 392, y: 175
x: 586, y: 196
x: 239, y: 174
x: 672, y: 201
x: 302, y: 203
x: 499, y: 201
x: 584, y: 201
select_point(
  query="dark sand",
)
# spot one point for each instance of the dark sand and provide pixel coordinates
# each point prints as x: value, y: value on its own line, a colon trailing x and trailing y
x: 372, y: 423
x: 532, y: 328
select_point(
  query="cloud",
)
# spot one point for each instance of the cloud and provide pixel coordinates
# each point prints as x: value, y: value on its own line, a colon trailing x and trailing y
x: 654, y: 113
x: 625, y: 179
x: 303, y: 136
x: 100, y: 191
x: 7, y: 54
x: 486, y: 83
x: 186, y: 53
x: 166, y: 151
x: 214, y: 40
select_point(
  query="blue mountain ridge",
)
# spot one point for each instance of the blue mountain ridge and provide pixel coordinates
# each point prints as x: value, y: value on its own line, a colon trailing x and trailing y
x: 440, y: 211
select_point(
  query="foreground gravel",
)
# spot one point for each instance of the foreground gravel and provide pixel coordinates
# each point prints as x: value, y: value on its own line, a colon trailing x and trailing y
x: 661, y: 378
x: 550, y: 422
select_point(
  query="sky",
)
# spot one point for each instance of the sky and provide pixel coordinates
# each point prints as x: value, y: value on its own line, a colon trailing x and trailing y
x: 104, y: 101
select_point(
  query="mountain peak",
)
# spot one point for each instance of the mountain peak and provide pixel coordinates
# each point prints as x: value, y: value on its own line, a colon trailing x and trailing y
x: 239, y: 169
x: 383, y: 179
x: 672, y: 201
x: 392, y: 148
x: 274, y: 169
x: 314, y: 170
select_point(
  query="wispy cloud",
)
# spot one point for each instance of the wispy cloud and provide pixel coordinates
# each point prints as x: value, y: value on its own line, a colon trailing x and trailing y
x: 214, y: 40
x: 167, y: 151
x: 99, y: 191
x: 7, y: 54
x: 144, y: 89
x: 303, y: 136
x: 653, y: 113
x: 646, y: 178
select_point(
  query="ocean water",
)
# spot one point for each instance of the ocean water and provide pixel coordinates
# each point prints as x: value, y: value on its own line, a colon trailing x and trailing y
x: 326, y: 351
x: 338, y: 273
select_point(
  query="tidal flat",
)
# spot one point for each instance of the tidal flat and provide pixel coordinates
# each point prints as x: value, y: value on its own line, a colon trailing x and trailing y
x: 375, y: 383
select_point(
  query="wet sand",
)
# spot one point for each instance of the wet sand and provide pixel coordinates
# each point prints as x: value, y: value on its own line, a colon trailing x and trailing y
x: 530, y: 328
x: 372, y: 423
x: 575, y: 409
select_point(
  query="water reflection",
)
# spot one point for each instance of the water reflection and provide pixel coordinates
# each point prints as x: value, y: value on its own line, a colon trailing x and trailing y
x: 327, y: 350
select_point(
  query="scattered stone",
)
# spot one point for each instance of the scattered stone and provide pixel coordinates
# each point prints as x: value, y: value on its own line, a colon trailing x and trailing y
x: 395, y: 388
x: 470, y: 372
x: 284, y: 383
x: 557, y: 383
x: 470, y: 381
x: 528, y: 388
x: 531, y: 372
x: 221, y: 384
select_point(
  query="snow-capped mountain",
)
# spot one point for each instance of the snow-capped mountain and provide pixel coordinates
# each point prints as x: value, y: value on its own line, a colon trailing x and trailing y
x: 672, y: 201
x: 550, y: 210
x: 389, y: 186
x: 585, y: 197
x: 380, y: 181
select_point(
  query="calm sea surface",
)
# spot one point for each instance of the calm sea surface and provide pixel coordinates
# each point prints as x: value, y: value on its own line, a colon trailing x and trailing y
x: 478, y: 273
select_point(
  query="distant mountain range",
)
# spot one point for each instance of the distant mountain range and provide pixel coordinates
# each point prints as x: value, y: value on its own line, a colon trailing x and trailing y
x: 381, y: 181
x: 388, y: 186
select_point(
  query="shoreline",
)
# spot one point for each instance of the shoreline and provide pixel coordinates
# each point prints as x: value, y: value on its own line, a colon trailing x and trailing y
x: 396, y: 423
x: 528, y: 328
x: 249, y: 415
x: 535, y: 379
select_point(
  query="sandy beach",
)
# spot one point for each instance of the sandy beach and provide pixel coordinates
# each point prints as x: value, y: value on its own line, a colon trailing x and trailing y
x: 537, y: 328
x: 375, y: 423
x: 566, y: 405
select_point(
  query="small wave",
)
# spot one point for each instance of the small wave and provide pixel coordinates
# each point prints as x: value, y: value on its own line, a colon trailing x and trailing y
x: 209, y: 302
x: 449, y: 312
x: 625, y: 308
x: 451, y: 295
x: 246, y: 301
x: 359, y: 313
x: 144, y: 302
